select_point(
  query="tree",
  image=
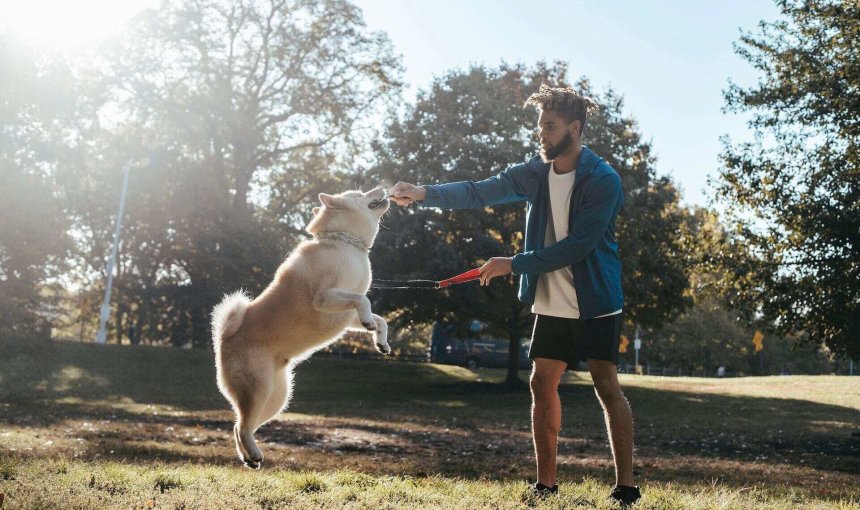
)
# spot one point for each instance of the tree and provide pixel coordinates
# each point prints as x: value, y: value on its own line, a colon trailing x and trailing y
x: 655, y: 254
x: 791, y: 195
x: 471, y: 125
x: 708, y: 335
x: 467, y: 127
x: 233, y: 113
x: 33, y: 96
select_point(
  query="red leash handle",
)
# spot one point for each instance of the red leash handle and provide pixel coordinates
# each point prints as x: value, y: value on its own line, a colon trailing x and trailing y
x: 468, y: 276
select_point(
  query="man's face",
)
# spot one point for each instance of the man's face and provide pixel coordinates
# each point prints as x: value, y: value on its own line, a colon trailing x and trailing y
x: 556, y: 135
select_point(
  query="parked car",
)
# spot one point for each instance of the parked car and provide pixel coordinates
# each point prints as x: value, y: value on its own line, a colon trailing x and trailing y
x: 473, y: 349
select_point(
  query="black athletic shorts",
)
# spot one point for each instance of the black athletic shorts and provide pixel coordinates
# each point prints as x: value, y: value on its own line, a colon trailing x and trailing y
x: 572, y: 340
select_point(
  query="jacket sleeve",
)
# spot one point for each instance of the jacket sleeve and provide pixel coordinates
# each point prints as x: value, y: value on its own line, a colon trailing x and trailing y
x: 510, y: 185
x: 589, y: 225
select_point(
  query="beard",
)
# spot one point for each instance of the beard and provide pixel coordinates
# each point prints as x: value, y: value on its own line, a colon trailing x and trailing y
x: 555, y: 151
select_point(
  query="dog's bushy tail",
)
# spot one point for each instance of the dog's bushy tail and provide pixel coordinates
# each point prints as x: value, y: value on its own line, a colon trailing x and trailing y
x: 227, y: 316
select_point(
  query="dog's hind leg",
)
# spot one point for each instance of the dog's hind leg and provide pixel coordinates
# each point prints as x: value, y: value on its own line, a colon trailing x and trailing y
x: 279, y: 397
x: 239, y: 448
x: 251, y: 397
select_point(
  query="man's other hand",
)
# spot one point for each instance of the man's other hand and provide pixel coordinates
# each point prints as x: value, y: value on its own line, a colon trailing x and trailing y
x: 496, y: 266
x: 404, y: 193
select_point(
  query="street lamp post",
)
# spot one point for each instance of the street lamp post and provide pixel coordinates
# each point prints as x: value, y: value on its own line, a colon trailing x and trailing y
x: 105, y: 309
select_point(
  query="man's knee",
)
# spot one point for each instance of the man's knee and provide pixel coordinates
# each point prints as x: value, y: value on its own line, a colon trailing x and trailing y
x: 543, y: 385
x: 539, y: 383
x: 607, y: 387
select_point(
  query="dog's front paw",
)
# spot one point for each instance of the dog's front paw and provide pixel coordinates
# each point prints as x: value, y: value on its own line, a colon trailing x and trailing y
x: 370, y: 326
x: 383, y: 348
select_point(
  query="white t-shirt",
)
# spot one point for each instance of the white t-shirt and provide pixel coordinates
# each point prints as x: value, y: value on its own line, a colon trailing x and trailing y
x: 556, y: 295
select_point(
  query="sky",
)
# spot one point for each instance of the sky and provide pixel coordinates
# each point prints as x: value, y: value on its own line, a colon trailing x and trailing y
x: 671, y: 60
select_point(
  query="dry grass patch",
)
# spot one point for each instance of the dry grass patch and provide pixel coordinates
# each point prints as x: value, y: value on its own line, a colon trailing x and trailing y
x: 85, y: 426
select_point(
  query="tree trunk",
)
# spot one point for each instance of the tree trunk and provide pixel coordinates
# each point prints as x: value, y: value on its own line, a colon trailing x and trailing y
x: 120, y: 316
x: 243, y: 169
x: 143, y: 320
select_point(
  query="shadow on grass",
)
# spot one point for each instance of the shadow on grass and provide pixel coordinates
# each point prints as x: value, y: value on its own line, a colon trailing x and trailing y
x: 408, y: 418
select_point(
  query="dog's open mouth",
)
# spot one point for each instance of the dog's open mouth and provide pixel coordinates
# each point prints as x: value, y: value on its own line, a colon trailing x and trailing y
x: 379, y: 201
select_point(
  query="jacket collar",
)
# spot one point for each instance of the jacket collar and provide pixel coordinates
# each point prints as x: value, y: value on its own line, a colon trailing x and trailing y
x: 586, y: 164
x: 588, y: 161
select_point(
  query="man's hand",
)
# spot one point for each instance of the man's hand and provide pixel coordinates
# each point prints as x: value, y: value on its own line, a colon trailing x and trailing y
x: 404, y: 193
x: 496, y: 266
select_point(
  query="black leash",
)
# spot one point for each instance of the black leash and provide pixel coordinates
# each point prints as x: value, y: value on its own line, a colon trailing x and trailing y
x: 404, y: 284
x: 468, y: 276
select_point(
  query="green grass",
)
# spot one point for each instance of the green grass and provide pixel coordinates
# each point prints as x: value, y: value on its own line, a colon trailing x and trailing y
x: 86, y: 426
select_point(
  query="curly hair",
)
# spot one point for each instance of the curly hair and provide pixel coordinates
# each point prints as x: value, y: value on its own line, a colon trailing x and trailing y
x: 564, y: 101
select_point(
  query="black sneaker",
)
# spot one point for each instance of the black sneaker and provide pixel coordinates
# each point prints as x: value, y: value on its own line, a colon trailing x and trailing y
x: 540, y: 490
x: 625, y: 495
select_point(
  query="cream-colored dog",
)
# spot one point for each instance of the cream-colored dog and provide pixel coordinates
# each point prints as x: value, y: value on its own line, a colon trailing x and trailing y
x: 317, y: 293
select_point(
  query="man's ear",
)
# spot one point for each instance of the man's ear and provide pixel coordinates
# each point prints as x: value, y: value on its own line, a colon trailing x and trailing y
x: 330, y: 201
x: 575, y: 128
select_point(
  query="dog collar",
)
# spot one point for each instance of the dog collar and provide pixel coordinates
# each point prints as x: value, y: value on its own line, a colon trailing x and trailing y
x: 343, y: 237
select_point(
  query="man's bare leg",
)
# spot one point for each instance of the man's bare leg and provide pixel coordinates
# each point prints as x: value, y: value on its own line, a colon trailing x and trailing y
x: 618, y: 416
x: 546, y: 416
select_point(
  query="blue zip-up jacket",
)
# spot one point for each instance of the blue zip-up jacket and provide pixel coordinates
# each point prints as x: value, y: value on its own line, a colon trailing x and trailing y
x: 590, y: 248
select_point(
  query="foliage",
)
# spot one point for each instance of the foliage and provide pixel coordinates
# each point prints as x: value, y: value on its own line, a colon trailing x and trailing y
x: 708, y: 336
x: 468, y: 126
x: 232, y: 115
x: 655, y: 255
x: 711, y: 333
x: 792, y: 195
x: 34, y: 103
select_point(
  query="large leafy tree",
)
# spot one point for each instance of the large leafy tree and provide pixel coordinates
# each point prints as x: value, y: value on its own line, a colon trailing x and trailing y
x: 471, y: 125
x: 792, y: 195
x: 655, y: 253
x: 34, y: 99
x: 233, y: 114
x: 468, y: 126
x: 709, y: 335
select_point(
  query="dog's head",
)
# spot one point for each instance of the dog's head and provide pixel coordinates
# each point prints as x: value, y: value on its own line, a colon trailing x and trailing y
x: 355, y: 212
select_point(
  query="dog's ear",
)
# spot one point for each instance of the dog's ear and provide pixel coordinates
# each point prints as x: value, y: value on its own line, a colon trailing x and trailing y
x: 316, y: 210
x: 330, y: 201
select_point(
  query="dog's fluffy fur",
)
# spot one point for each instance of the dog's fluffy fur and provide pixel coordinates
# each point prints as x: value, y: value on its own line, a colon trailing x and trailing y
x: 317, y: 293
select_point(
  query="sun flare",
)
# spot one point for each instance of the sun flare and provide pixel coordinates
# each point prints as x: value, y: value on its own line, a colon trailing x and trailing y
x: 62, y: 24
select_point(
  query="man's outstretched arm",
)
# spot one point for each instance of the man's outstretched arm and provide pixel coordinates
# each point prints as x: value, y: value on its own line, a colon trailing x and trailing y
x: 508, y: 186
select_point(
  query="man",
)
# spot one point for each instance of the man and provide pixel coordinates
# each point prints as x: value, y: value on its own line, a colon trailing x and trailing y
x: 570, y: 273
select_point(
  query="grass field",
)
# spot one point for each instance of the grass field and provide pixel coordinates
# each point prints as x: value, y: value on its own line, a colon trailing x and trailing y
x: 86, y: 426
